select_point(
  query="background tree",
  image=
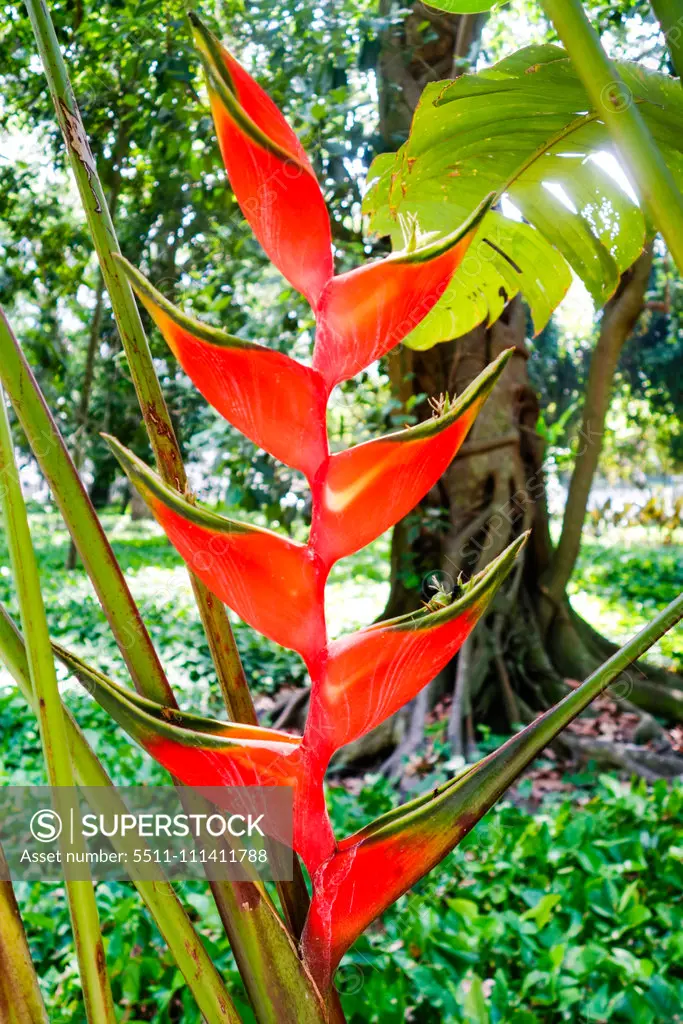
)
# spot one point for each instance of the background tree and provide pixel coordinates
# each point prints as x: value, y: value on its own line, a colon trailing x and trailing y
x: 517, y: 659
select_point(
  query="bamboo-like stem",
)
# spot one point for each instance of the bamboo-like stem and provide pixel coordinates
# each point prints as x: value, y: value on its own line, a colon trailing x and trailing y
x: 670, y: 16
x: 97, y: 996
x: 152, y: 404
x: 167, y: 911
x: 18, y: 979
x: 82, y: 413
x: 613, y: 102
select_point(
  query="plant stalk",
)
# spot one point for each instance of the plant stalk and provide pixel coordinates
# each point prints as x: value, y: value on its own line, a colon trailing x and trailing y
x: 485, y: 782
x: 81, y: 519
x: 256, y: 919
x: 97, y: 997
x: 152, y: 404
x: 670, y: 16
x: 614, y: 103
x: 167, y: 911
x: 18, y: 979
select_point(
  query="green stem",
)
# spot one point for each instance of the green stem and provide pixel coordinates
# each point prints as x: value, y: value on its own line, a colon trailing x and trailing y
x: 167, y: 911
x: 670, y: 16
x: 613, y: 102
x: 152, y: 404
x: 18, y: 980
x: 97, y: 996
x: 485, y: 782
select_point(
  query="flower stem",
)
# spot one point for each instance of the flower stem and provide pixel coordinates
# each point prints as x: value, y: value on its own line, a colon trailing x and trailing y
x: 18, y: 980
x: 152, y: 404
x: 97, y: 996
x: 81, y: 519
x: 612, y: 100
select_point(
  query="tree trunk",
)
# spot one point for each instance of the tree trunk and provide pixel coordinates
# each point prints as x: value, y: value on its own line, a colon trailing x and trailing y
x: 618, y: 320
x: 519, y: 655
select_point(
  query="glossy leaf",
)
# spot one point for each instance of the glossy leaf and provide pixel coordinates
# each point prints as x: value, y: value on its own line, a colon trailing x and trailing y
x: 269, y: 171
x: 366, y: 312
x: 526, y: 128
x: 275, y: 401
x: 272, y: 583
x: 367, y: 489
x: 367, y: 676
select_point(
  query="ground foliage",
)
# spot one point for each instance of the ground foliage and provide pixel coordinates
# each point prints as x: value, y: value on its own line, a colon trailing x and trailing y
x: 563, y: 909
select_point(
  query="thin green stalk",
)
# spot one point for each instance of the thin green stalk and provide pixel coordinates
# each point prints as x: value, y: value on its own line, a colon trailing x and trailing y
x: 482, y: 784
x: 152, y: 404
x: 613, y: 101
x: 670, y: 16
x: 18, y: 979
x: 97, y: 996
x: 167, y: 911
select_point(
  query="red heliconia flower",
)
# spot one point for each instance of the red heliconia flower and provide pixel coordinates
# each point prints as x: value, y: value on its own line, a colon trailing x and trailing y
x: 275, y: 584
x: 363, y: 678
x: 204, y: 752
x: 273, y: 180
x: 272, y: 399
x: 365, y: 490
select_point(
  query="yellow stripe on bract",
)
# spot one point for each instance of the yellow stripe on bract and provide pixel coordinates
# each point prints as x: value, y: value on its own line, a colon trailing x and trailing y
x: 337, y: 501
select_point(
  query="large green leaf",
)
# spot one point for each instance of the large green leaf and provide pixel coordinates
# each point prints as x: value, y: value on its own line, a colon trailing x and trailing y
x: 523, y: 128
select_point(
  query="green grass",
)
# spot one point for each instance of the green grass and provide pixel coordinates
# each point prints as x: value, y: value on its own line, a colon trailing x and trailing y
x: 623, y: 579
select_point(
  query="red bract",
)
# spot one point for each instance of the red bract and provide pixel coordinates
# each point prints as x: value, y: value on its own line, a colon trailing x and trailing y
x: 277, y: 585
x: 273, y: 180
x: 367, y: 676
x: 278, y: 403
x: 272, y: 583
x: 366, y: 312
x: 361, y: 314
x: 365, y: 490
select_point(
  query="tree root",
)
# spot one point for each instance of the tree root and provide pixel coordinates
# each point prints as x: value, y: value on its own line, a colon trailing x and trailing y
x: 414, y: 735
x: 647, y: 764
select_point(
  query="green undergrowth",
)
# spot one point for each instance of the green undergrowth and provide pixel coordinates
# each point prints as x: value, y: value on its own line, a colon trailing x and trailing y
x: 572, y: 913
x: 623, y: 580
